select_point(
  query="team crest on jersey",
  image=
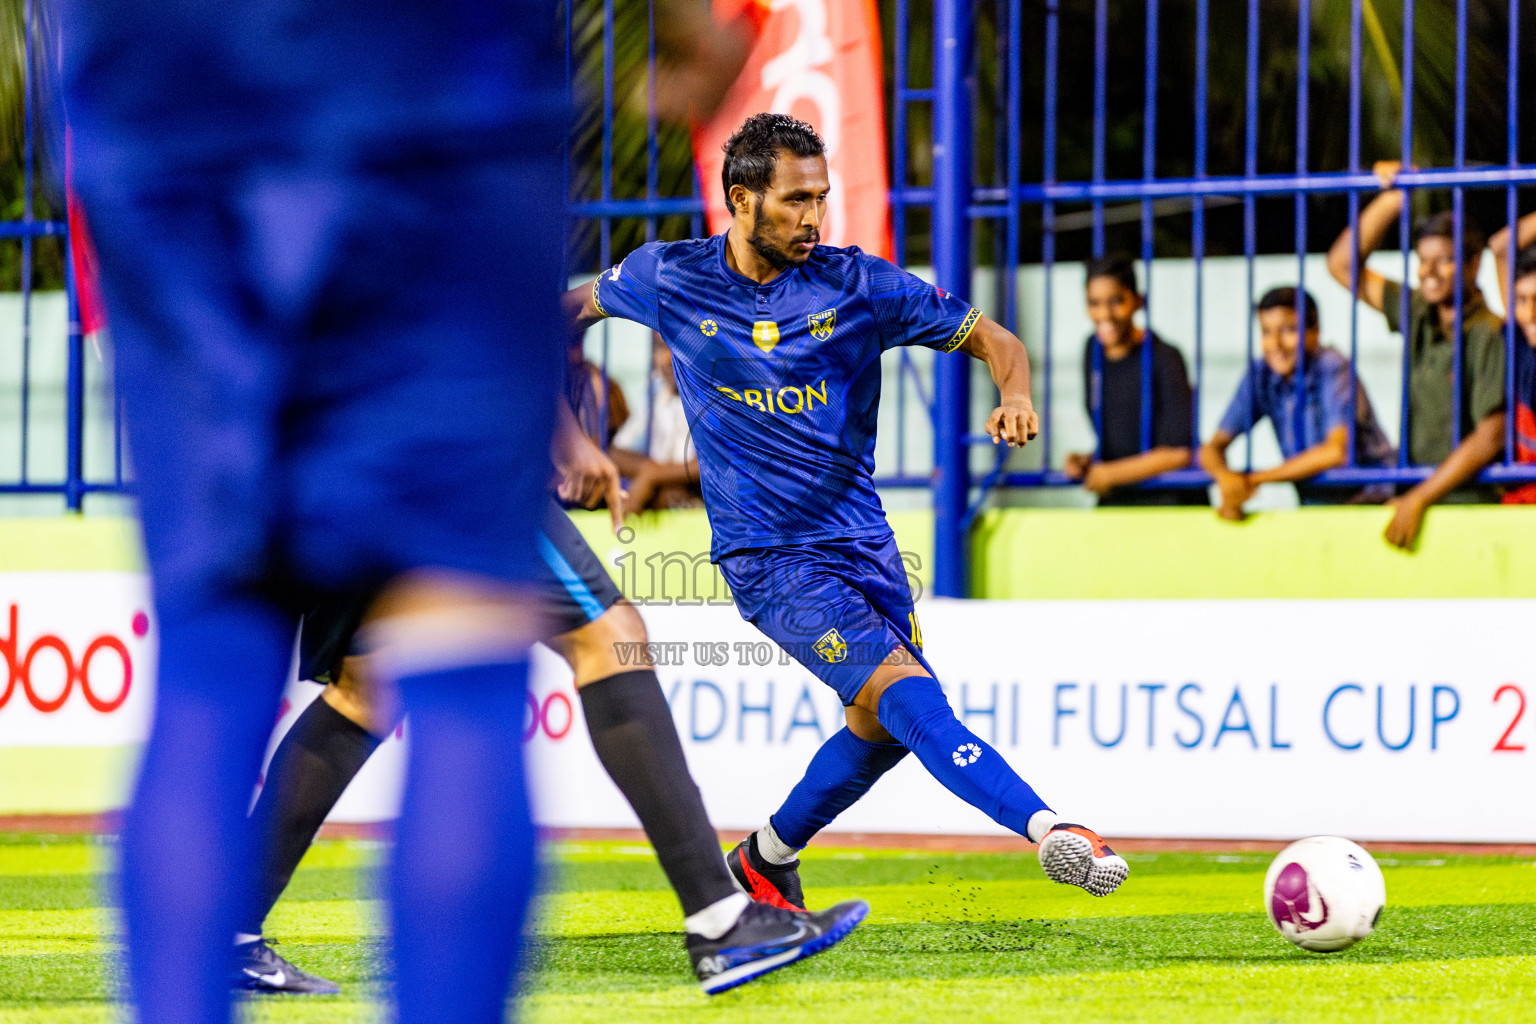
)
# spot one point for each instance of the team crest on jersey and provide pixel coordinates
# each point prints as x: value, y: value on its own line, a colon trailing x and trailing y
x: 832, y: 647
x: 709, y: 327
x: 822, y: 324
x: 765, y: 335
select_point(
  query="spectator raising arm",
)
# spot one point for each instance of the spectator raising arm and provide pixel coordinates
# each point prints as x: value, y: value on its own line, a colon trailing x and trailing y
x: 1476, y: 450
x: 1375, y: 221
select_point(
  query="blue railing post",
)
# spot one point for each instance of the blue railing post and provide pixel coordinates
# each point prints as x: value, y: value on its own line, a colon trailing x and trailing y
x: 74, y: 412
x: 952, y: 272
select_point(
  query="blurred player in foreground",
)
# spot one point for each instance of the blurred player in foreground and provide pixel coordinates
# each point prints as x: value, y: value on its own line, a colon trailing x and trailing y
x: 330, y: 243
x: 587, y: 622
x: 776, y: 345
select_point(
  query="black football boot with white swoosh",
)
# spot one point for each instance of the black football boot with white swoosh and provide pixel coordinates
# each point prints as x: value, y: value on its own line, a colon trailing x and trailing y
x: 259, y: 968
x: 766, y: 938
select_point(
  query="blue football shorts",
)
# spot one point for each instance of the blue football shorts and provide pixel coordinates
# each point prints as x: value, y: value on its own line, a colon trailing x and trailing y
x: 569, y: 583
x: 335, y: 374
x: 838, y: 607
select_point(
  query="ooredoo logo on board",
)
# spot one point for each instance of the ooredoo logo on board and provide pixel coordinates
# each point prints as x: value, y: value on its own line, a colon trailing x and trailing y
x: 75, y: 671
x: 77, y: 657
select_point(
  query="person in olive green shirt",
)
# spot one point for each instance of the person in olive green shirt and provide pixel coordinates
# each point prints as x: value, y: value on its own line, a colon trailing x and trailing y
x: 1431, y: 353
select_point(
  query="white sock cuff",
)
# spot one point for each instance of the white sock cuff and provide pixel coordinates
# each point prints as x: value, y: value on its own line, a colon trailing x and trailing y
x: 773, y: 849
x: 719, y: 917
x: 1040, y: 823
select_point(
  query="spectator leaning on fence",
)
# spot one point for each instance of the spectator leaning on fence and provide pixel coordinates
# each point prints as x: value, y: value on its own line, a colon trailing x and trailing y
x: 1329, y: 398
x: 1431, y: 353
x: 1113, y: 362
x: 654, y: 450
x: 1524, y: 312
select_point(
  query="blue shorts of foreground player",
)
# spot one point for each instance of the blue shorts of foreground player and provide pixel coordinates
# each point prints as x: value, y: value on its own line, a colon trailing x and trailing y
x: 839, y: 607
x: 304, y: 416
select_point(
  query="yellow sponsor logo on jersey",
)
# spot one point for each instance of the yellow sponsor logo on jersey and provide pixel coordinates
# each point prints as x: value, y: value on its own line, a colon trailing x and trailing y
x: 765, y: 335
x: 822, y: 324
x: 789, y: 399
x: 832, y: 647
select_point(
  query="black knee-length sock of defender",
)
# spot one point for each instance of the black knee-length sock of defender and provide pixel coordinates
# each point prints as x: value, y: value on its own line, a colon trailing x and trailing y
x: 319, y: 756
x: 635, y: 739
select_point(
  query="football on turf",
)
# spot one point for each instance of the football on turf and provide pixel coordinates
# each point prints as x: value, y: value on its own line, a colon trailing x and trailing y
x: 1324, y: 893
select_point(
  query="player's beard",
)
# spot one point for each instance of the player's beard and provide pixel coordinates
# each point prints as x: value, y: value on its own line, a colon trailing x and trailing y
x: 770, y: 254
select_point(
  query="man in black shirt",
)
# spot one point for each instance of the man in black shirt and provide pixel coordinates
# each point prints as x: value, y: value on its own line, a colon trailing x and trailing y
x: 1134, y: 444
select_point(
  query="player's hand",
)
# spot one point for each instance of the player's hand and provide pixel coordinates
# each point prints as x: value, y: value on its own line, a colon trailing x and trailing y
x: 587, y: 475
x: 1076, y: 466
x: 1014, y: 422
x: 1407, y: 519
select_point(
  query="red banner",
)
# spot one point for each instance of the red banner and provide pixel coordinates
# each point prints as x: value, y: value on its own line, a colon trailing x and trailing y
x: 93, y: 314
x: 818, y: 60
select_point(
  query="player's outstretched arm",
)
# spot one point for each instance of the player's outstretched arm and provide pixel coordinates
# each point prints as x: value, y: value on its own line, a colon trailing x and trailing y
x: 579, y: 306
x: 1014, y: 420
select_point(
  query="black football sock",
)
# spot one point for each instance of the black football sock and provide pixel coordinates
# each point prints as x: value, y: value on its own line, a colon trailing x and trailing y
x: 635, y: 738
x: 322, y: 752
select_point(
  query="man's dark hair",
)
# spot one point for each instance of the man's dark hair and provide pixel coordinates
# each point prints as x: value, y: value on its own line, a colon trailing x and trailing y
x: 1525, y: 262
x: 1117, y: 268
x: 1443, y: 225
x: 1285, y: 298
x: 752, y: 152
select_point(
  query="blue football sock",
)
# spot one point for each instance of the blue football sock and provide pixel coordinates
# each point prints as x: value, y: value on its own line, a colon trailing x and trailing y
x: 464, y: 862
x: 185, y: 855
x: 915, y: 712
x: 842, y: 771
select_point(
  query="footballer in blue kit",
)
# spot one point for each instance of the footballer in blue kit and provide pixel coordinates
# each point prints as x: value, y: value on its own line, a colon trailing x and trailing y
x: 776, y: 342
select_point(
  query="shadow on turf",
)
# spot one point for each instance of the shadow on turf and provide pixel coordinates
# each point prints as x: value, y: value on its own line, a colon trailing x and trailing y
x: 1039, y: 947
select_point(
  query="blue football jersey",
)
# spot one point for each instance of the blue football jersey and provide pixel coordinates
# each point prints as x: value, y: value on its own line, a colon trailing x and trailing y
x: 781, y: 381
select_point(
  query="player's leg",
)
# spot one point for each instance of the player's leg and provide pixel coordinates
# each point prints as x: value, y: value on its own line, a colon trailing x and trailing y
x: 843, y: 769
x: 911, y: 706
x: 901, y: 694
x: 848, y: 764
x: 463, y: 868
x: 636, y: 740
x: 319, y: 756
x: 197, y: 383
x: 730, y: 939
x: 184, y: 842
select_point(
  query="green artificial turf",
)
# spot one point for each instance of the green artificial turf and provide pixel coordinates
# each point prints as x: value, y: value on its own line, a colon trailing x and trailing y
x: 950, y: 937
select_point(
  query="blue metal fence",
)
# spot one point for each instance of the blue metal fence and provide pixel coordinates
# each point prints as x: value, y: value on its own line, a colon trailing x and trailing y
x: 957, y: 203
x: 958, y: 207
x: 37, y: 101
